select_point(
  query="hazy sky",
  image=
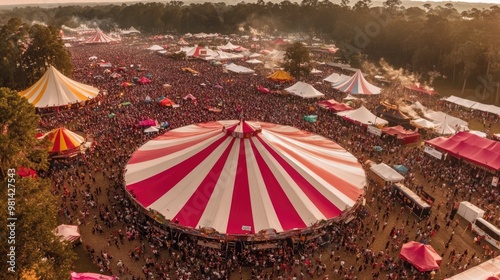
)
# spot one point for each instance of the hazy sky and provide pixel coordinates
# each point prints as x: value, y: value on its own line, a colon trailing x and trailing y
x: 21, y: 2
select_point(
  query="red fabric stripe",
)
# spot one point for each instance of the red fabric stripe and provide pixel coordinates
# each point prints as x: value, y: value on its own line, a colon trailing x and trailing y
x: 146, y: 155
x: 365, y: 89
x: 192, y: 211
x: 283, y: 207
x: 343, y: 186
x: 57, y: 141
x: 247, y: 128
x: 241, y: 206
x: 151, y: 189
x: 322, y: 203
x: 324, y: 143
x: 67, y: 141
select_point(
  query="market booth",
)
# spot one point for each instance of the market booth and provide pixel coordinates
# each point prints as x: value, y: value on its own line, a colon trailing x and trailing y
x: 383, y: 174
x: 411, y: 200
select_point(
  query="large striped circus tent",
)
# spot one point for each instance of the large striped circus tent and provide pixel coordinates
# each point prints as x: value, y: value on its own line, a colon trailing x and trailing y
x: 244, y: 178
x: 54, y: 89
x: 100, y: 38
x: 63, y: 140
x: 357, y: 84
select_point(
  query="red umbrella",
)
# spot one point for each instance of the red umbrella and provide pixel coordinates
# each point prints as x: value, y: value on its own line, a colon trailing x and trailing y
x: 422, y: 257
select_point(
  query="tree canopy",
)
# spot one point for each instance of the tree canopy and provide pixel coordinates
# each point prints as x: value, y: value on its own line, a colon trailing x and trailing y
x: 28, y: 51
x: 297, y: 60
x: 37, y: 250
x: 419, y: 39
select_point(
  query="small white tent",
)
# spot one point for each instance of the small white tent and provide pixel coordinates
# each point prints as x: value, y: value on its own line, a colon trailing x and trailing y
x: 254, y: 61
x: 363, y: 115
x: 304, y: 90
x: 386, y: 173
x: 69, y: 233
x: 238, y: 69
x: 335, y: 78
x: 155, y: 48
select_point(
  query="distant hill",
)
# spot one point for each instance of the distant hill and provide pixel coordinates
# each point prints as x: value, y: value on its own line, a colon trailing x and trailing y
x: 460, y: 6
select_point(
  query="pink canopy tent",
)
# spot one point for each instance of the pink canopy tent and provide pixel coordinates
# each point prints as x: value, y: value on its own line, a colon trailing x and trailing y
x: 471, y: 147
x: 147, y: 123
x: 262, y: 89
x: 143, y: 80
x: 334, y: 106
x: 241, y: 177
x: 422, y: 257
x: 90, y: 276
x: 406, y: 136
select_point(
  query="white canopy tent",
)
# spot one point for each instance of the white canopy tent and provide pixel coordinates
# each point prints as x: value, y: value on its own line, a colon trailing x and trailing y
x: 364, y: 116
x: 336, y: 78
x: 151, y: 129
x: 473, y: 104
x: 460, y: 101
x: 423, y: 123
x: 155, y: 48
x: 387, y: 173
x: 316, y: 71
x: 444, y: 118
x: 255, y: 55
x: 304, y: 90
x: 228, y: 46
x: 69, y: 233
x: 254, y: 61
x: 238, y: 69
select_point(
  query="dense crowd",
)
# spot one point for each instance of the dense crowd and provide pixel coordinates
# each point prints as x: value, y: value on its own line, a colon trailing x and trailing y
x: 92, y: 191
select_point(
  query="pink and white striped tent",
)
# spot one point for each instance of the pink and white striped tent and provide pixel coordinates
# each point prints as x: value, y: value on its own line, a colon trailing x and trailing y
x: 241, y: 177
x: 357, y: 84
x: 100, y: 38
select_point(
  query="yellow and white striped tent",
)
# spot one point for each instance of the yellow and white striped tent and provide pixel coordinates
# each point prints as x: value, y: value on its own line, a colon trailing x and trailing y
x: 54, y: 89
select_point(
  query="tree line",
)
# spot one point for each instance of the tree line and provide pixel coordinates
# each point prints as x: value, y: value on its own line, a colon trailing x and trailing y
x: 460, y: 45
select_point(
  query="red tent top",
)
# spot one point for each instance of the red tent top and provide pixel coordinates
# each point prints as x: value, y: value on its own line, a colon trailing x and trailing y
x: 422, y: 90
x: 166, y: 102
x: 335, y: 106
x: 470, y: 147
x: 422, y: 257
x: 242, y: 129
x: 279, y: 41
x: 399, y: 131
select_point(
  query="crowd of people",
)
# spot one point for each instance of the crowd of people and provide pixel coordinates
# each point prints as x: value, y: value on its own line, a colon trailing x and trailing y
x: 92, y: 192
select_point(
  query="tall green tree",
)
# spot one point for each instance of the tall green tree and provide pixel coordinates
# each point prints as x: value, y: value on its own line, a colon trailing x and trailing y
x: 44, y: 48
x: 18, y: 125
x: 297, y: 60
x: 35, y: 249
x: 12, y: 35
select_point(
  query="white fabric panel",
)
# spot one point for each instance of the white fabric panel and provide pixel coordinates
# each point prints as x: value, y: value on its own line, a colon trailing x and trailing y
x: 304, y: 207
x: 325, y: 188
x: 216, y: 214
x: 142, y: 170
x: 171, y: 202
x: 263, y: 211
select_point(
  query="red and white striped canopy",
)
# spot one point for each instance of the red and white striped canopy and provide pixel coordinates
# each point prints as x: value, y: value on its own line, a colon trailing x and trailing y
x: 242, y: 177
